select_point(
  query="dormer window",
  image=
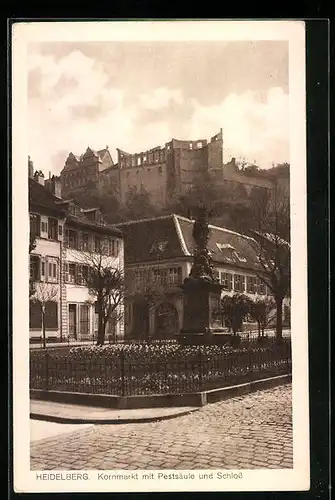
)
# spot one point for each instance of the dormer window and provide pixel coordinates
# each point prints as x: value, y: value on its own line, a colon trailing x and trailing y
x: 159, y: 246
x: 239, y: 257
x: 224, y: 246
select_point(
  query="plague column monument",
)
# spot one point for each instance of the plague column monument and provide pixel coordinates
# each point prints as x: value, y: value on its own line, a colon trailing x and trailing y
x: 201, y: 290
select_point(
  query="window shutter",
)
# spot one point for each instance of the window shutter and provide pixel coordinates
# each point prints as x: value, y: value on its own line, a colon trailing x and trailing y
x: 35, y: 315
x: 66, y: 271
x: 42, y: 269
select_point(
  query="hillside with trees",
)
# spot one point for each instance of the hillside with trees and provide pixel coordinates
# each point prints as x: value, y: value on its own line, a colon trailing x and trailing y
x: 233, y: 208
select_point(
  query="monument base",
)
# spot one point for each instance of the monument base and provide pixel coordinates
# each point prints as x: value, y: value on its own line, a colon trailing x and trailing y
x: 201, y: 307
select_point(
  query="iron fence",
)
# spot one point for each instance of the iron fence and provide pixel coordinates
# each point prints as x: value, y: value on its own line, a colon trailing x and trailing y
x: 119, y: 375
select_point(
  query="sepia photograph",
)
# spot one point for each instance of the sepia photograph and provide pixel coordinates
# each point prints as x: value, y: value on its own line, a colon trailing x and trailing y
x: 160, y: 290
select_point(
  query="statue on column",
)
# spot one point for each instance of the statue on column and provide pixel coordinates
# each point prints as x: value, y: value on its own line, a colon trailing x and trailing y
x: 202, y: 266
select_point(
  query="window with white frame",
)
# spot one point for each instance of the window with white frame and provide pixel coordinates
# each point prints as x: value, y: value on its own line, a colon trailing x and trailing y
x: 239, y: 283
x: 226, y: 280
x: 174, y: 276
x: 52, y: 269
x: 251, y: 284
x: 71, y: 273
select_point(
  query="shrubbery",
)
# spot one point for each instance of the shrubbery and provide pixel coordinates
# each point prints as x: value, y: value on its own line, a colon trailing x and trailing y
x: 149, y: 353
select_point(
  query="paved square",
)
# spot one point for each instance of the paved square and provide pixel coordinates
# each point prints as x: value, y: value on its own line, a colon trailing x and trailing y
x: 248, y: 432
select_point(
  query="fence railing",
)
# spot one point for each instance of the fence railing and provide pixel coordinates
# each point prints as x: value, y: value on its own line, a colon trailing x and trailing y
x: 121, y: 376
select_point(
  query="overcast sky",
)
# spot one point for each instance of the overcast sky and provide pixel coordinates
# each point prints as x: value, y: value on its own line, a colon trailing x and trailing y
x: 136, y: 95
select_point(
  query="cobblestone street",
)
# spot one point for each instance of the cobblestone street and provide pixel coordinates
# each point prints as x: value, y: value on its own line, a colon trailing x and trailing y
x: 248, y: 432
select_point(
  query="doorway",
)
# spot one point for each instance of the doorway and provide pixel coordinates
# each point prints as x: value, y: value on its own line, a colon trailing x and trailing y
x: 73, y: 320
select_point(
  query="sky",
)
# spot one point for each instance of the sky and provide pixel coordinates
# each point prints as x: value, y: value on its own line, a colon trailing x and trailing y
x: 138, y: 95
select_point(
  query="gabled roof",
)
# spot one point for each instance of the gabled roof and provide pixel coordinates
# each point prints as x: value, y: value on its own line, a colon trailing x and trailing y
x: 151, y: 239
x: 225, y: 246
x: 170, y: 237
x: 41, y: 198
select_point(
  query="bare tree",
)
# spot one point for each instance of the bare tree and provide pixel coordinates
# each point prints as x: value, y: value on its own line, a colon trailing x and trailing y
x: 274, y: 251
x: 44, y: 293
x: 105, y: 282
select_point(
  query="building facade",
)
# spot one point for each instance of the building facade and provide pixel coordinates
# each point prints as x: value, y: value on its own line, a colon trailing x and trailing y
x: 66, y: 237
x: 159, y: 256
x: 162, y: 171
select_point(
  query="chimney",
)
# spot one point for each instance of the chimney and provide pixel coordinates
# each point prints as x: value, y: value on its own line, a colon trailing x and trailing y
x: 56, y: 186
x: 53, y: 185
x: 30, y: 168
x: 39, y: 177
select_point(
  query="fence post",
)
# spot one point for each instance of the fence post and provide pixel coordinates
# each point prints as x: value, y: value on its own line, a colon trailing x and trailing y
x: 46, y: 368
x: 122, y: 373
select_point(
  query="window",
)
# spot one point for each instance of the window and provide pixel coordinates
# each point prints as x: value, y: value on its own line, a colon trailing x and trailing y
x: 84, y: 274
x: 239, y: 257
x: 72, y: 273
x: 52, y: 229
x: 35, y: 221
x: 191, y: 145
x: 138, y: 161
x: 160, y: 170
x: 34, y: 267
x: 199, y: 145
x: 97, y: 244
x: 52, y: 269
x: 174, y: 276
x: 72, y: 239
x: 44, y: 227
x: 85, y: 241
x: 84, y: 320
x: 238, y: 283
x: 226, y: 281
x: 251, y: 284
x: 261, y: 287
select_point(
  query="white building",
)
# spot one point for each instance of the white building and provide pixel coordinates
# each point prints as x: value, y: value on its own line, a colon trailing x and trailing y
x: 159, y: 256
x: 66, y: 238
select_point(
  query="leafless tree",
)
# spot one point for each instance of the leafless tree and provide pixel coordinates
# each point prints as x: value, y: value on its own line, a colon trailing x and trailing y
x: 274, y: 251
x: 44, y: 293
x: 105, y: 282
